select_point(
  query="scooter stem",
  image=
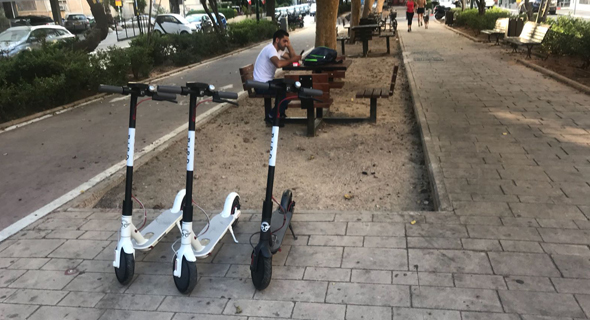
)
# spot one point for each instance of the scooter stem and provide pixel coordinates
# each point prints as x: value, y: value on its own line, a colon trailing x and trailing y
x: 187, y: 214
x: 127, y: 203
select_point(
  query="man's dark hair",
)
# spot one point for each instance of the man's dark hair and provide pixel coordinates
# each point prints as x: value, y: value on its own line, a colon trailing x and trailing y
x: 279, y: 34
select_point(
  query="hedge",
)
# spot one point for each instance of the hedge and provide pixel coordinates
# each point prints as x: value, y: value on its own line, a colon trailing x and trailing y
x: 36, y: 80
x: 228, y: 13
x: 471, y: 18
x: 569, y: 36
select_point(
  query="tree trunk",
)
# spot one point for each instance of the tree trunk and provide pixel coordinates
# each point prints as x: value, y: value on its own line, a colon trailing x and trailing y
x: 355, y: 18
x: 367, y: 8
x: 327, y: 14
x: 149, y: 20
x: 215, y: 26
x: 174, y: 6
x: 462, y: 5
x: 529, y: 10
x: 380, y: 5
x: 270, y: 9
x: 213, y: 4
x: 481, y: 7
x: 100, y: 30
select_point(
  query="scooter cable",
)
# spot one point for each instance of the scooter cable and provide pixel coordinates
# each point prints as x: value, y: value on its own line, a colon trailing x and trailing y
x: 208, y: 219
x: 144, y: 212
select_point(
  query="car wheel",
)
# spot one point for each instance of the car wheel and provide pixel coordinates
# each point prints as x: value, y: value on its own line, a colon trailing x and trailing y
x: 183, y: 32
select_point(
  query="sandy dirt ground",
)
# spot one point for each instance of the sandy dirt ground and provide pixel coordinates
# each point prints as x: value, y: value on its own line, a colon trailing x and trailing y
x: 378, y: 166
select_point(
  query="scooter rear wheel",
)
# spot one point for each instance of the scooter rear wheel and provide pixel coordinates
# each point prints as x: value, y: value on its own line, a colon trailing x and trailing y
x: 126, y: 267
x: 261, y: 277
x: 188, y: 276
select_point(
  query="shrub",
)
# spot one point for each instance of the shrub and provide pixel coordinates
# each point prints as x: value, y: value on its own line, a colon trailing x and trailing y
x: 569, y: 36
x: 471, y: 18
x: 227, y: 12
x: 250, y: 31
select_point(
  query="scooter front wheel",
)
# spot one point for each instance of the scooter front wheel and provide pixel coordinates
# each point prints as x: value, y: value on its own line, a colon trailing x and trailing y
x: 126, y: 267
x: 188, y: 276
x: 235, y: 207
x: 261, y: 277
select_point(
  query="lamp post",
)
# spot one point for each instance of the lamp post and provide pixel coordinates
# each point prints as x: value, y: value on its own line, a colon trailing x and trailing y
x: 257, y: 13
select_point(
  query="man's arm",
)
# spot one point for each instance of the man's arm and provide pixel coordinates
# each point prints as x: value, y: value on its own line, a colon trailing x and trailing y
x: 283, y: 63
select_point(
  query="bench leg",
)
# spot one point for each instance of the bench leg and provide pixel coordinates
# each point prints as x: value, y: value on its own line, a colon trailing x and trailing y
x: 373, y: 116
x: 319, y: 113
x: 489, y: 39
x: 528, y: 53
x: 343, y: 51
x: 365, y: 47
x: 267, y: 108
x: 310, y: 122
x: 387, y: 44
x: 497, y: 40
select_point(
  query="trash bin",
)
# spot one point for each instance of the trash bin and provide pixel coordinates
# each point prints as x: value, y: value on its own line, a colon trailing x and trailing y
x: 515, y: 26
x: 449, y: 18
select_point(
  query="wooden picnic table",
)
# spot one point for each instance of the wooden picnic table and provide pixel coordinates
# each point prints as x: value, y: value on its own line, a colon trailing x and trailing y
x: 364, y: 33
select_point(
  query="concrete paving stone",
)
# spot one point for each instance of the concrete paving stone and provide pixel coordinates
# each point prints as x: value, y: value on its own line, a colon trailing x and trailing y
x: 375, y: 229
x: 495, y: 198
x: 81, y: 299
x: 566, y: 249
x: 375, y: 258
x: 576, y: 191
x: 573, y: 266
x: 569, y: 236
x: 15, y: 311
x: 490, y: 221
x: 567, y: 285
x: 64, y: 234
x: 523, y: 264
x: 584, y: 209
x: 318, y: 311
x: 160, y: 268
x: 461, y: 186
x: 319, y: 228
x: 450, y: 261
x: 503, y: 232
x: 460, y: 197
x: 520, y: 222
x: 362, y: 216
x: 327, y: 274
x: 584, y: 301
x: 60, y: 224
x: 563, y: 175
x: 371, y: 276
x: 528, y: 173
x: 405, y: 217
x: 336, y: 241
x: 259, y: 308
x: 74, y: 213
x: 443, y: 218
x: 5, y: 293
x: 557, y: 223
x: 96, y: 282
x: 481, y: 245
x: 478, y: 281
x: 497, y: 209
x: 521, y: 246
x: 192, y: 305
x: 368, y: 294
x: 488, y: 316
x: 37, y: 279
x: 385, y: 242
x: 294, y: 290
x: 224, y: 288
x: 440, y: 231
x: 540, y: 303
x: 109, y: 253
x: 488, y: 174
x: 29, y: 263
x: 228, y: 254
x: 31, y: 248
x: 315, y: 256
x: 9, y: 276
x: 532, y: 190
x: 7, y: 262
x: 367, y: 313
x: 56, y: 264
x: 36, y: 297
x: 434, y: 243
x: 541, y: 284
x: 101, y: 266
x: 96, y: 235
x: 534, y: 317
x: 66, y: 313
x: 323, y: 216
x: 101, y: 225
x: 79, y: 249
x: 188, y: 316
x: 424, y: 314
x: 287, y: 272
x: 550, y: 211
x: 136, y: 315
x: 455, y: 299
x: 130, y: 302
x: 583, y: 224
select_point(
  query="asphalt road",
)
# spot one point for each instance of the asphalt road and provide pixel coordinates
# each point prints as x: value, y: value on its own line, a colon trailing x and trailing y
x: 44, y: 160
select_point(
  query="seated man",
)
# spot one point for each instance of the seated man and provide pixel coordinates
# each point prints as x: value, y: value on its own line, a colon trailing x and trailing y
x: 267, y: 63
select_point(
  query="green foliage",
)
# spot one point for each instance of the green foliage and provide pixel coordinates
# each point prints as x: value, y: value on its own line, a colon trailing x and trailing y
x: 569, y: 36
x: 471, y: 18
x: 249, y: 30
x: 227, y: 12
x: 344, y: 7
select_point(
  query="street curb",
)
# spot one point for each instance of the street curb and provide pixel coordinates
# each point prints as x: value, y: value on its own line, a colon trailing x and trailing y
x: 17, y: 123
x: 442, y: 201
x: 472, y: 38
x: 572, y: 83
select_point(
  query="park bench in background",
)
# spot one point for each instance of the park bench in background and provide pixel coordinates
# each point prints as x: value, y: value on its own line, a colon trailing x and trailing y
x: 376, y: 93
x: 500, y: 30
x: 247, y: 73
x: 532, y: 35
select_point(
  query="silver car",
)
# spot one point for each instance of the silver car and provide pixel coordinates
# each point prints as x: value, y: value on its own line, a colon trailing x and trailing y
x: 17, y: 39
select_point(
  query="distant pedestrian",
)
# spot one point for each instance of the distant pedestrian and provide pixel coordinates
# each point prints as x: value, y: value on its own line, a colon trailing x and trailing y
x: 420, y: 4
x: 426, y: 18
x: 410, y: 13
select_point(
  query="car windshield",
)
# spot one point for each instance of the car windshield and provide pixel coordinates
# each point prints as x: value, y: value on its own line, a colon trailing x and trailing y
x: 76, y: 17
x: 13, y: 35
x: 182, y: 20
x: 194, y: 18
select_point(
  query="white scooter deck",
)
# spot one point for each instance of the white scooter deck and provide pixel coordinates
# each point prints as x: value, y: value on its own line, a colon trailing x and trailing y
x: 157, y: 229
x: 217, y: 229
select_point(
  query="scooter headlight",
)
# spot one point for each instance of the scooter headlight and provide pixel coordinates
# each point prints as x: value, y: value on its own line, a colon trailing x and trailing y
x: 297, y: 84
x: 211, y: 87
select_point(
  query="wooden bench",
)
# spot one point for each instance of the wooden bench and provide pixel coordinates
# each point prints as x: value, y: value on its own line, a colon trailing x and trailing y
x: 500, y: 30
x: 314, y: 109
x: 342, y: 39
x: 532, y: 35
x: 387, y: 36
x: 247, y: 73
x: 377, y: 93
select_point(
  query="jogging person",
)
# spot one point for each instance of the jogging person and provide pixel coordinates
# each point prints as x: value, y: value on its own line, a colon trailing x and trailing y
x: 410, y: 13
x: 420, y: 4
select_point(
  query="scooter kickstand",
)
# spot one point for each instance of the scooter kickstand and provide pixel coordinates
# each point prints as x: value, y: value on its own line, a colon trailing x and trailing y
x: 231, y: 230
x: 292, y: 232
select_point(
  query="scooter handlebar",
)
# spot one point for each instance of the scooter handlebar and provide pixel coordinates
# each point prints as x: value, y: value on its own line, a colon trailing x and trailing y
x: 169, y: 89
x: 310, y: 92
x: 110, y: 89
x: 160, y: 96
x: 227, y: 95
x: 257, y: 85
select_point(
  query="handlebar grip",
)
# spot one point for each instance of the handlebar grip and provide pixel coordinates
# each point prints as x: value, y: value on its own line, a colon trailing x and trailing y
x: 257, y: 85
x: 227, y: 95
x: 110, y: 89
x: 170, y: 89
x: 160, y: 96
x: 311, y: 92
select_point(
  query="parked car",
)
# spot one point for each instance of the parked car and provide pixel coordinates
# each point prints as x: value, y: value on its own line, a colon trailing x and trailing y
x: 31, y: 21
x: 76, y: 22
x: 537, y: 4
x: 133, y: 22
x: 16, y: 39
x: 92, y: 21
x: 173, y: 23
x: 312, y: 9
x: 223, y: 20
x: 199, y: 20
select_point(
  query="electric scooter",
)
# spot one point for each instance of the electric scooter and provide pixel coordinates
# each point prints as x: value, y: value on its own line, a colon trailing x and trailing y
x: 274, y: 224
x: 193, y: 246
x: 130, y: 238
